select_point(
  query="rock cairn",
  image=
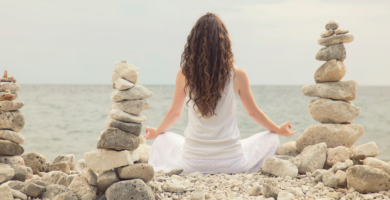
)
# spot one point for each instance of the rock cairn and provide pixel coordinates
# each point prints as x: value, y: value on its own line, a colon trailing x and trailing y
x: 326, y: 152
x: 121, y: 146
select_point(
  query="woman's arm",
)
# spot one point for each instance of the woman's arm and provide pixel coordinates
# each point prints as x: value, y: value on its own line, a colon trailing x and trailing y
x: 251, y: 108
x: 174, y: 112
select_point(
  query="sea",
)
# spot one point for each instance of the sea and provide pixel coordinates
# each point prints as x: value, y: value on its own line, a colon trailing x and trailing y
x: 68, y: 119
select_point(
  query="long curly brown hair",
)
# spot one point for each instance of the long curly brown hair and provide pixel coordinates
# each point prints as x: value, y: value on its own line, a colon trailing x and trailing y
x: 206, y: 63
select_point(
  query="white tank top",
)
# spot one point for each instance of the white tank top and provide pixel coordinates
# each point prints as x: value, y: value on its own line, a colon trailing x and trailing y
x: 216, y: 137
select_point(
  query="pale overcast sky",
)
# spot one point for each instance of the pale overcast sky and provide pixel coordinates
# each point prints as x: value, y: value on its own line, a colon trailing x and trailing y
x: 78, y: 41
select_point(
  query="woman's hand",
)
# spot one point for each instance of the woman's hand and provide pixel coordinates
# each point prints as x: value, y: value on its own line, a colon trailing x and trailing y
x: 285, y: 130
x: 150, y: 133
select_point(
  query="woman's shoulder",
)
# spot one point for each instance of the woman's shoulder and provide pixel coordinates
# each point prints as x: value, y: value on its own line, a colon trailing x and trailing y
x: 240, y: 73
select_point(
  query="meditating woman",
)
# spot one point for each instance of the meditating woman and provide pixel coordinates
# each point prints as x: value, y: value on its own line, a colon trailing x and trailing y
x: 209, y: 84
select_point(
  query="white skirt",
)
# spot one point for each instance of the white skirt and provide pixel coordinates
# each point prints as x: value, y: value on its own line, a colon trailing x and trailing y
x: 166, y: 154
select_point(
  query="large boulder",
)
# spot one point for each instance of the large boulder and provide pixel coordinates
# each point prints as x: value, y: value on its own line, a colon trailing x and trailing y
x: 132, y: 189
x: 332, y: 134
x: 137, y: 92
x: 134, y: 128
x: 10, y: 160
x: 82, y: 189
x: 70, y: 158
x: 8, y: 148
x: 106, y: 179
x: 55, y: 177
x: 343, y: 90
x: 365, y: 150
x: 22, y: 172
x: 311, y: 158
x: 114, y: 138
x: 58, y: 192
x: 137, y: 171
x: 12, y: 136
x: 332, y: 111
x: 9, y: 86
x: 132, y: 107
x: 336, y: 39
x: 104, y: 160
x: 126, y: 117
x: 279, y: 167
x: 288, y: 149
x: 376, y: 163
x: 12, y: 120
x: 5, y: 192
x: 127, y: 71
x: 10, y: 105
x: 144, y: 151
x: 37, y: 162
x: 365, y: 179
x: 6, y: 173
x: 336, y: 52
x: 338, y: 154
x: 331, y: 71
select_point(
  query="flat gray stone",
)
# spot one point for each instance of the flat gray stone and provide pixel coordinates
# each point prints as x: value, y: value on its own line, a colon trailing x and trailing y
x: 58, y: 192
x: 37, y: 162
x: 134, y: 128
x: 8, y: 148
x: 12, y: 120
x: 343, y: 90
x: 366, y: 179
x: 9, y: 86
x: 116, y: 139
x: 329, y: 179
x: 311, y: 158
x: 333, y: 111
x: 132, y: 189
x: 6, y: 173
x: 137, y: 171
x: 10, y: 105
x: 137, y: 92
x: 12, y: 136
x: 288, y: 149
x: 22, y: 172
x: 126, y: 117
x: 336, y: 52
x: 106, y: 179
x: 332, y: 134
x: 132, y: 106
x: 331, y: 71
x: 336, y: 39
x: 279, y: 167
x: 332, y: 24
x: 327, y: 33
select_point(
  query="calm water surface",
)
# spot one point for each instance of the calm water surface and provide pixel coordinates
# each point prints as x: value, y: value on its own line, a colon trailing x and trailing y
x: 63, y: 119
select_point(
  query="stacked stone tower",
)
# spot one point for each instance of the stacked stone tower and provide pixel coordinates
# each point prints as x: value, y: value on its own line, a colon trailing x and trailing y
x: 11, y: 121
x: 118, y: 144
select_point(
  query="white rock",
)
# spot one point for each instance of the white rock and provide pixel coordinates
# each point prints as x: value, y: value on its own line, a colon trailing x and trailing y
x: 123, y: 84
x: 10, y: 105
x: 342, y: 90
x: 338, y: 166
x: 366, y: 179
x: 288, y: 149
x: 327, y: 33
x: 91, y: 177
x: 285, y: 196
x: 335, y: 39
x: 198, y: 194
x: 18, y: 194
x: 79, y: 166
x: 173, y: 186
x: 329, y: 179
x: 127, y: 71
x: 376, y: 163
x: 311, y: 158
x: 6, y: 173
x: 126, y: 117
x: 106, y: 179
x: 137, y: 92
x: 144, y: 151
x: 338, y: 154
x: 104, y: 160
x: 12, y: 136
x: 255, y: 190
x: 279, y: 167
x: 333, y: 111
x: 365, y: 150
x: 142, y: 140
x: 341, y: 178
x: 82, y: 189
x: 5, y: 192
x: 331, y: 71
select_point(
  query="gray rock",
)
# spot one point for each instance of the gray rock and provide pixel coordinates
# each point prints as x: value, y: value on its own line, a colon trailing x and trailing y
x: 333, y: 111
x: 343, y: 90
x: 296, y: 191
x: 311, y: 158
x: 174, y: 172
x: 106, y: 179
x: 255, y: 190
x: 332, y: 134
x: 14, y: 94
x: 341, y: 178
x: 336, y: 39
x: 123, y: 84
x: 132, y: 189
x: 5, y: 192
x: 37, y: 162
x: 9, y: 86
x: 341, y: 31
x: 10, y: 160
x: 173, y: 186
x: 133, y: 107
x: 79, y: 166
x: 198, y: 194
x: 285, y: 196
x: 18, y: 194
x: 376, y: 163
x: 104, y: 160
x: 62, y: 166
x: 82, y: 189
x: 69, y: 179
x: 134, y: 128
x: 329, y: 179
x: 58, y: 192
x: 365, y: 179
x: 137, y: 171
x: 127, y: 71
x: 114, y: 138
x: 336, y: 52
x: 12, y: 136
x: 16, y: 185
x: 22, y: 172
x: 279, y: 167
x: 66, y: 158
x: 12, y: 120
x: 271, y: 188
x: 32, y: 189
x: 137, y: 92
x: 126, y: 117
x: 55, y: 177
x: 283, y: 157
x: 10, y: 105
x: 331, y: 71
x: 144, y: 151
x: 332, y: 24
x: 8, y: 148
x: 365, y: 150
x: 338, y: 154
x: 327, y: 33
x: 91, y: 177
x: 288, y: 149
x: 338, y: 166
x: 6, y: 173
x: 317, y: 174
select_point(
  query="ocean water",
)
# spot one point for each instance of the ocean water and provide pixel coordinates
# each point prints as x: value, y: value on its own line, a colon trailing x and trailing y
x: 68, y: 119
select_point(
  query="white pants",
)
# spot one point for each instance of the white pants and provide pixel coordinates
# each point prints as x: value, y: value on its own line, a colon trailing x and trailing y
x: 166, y: 154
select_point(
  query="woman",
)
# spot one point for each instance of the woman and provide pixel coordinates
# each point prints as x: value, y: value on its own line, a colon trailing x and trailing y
x: 212, y: 85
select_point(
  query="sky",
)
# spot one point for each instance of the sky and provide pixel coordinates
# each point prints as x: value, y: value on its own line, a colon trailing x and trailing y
x: 79, y: 41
